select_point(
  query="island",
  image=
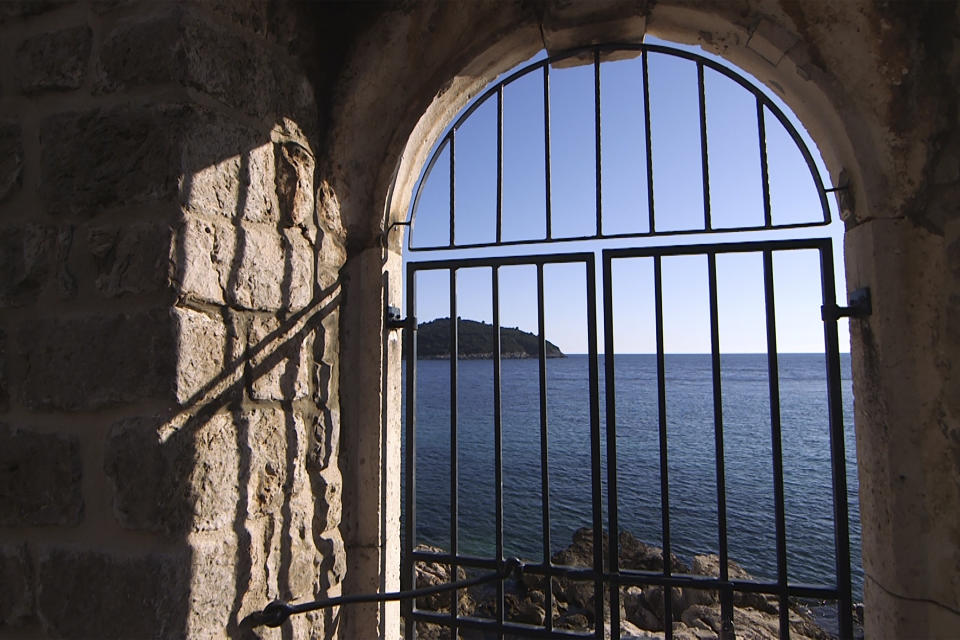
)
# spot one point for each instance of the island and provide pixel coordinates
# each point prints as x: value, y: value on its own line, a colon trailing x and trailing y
x: 475, y: 341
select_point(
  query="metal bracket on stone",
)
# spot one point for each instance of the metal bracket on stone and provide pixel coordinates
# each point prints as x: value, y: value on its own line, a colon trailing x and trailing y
x: 859, y: 303
x: 395, y: 320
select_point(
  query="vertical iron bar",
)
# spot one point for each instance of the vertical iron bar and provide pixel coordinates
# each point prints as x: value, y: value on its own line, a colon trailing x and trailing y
x: 453, y: 190
x: 454, y: 357
x: 648, y: 139
x: 497, y: 438
x: 613, y: 525
x: 726, y: 594
x: 410, y: 513
x: 838, y: 458
x: 546, y: 149
x: 597, y: 494
x: 773, y: 377
x: 544, y: 458
x: 596, y: 126
x: 764, y: 167
x: 499, y: 164
x: 664, y: 470
x: 704, y: 164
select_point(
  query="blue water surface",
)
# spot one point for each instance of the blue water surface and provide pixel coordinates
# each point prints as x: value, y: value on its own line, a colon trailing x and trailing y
x: 692, y: 471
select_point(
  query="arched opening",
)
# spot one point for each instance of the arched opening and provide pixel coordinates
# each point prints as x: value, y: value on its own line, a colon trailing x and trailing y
x: 384, y: 141
x: 479, y: 220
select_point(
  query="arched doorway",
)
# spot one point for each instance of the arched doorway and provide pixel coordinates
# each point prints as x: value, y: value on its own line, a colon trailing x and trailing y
x: 455, y: 243
x: 418, y: 64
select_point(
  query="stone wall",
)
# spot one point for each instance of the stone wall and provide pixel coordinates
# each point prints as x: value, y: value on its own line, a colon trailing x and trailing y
x: 193, y: 197
x: 169, y: 323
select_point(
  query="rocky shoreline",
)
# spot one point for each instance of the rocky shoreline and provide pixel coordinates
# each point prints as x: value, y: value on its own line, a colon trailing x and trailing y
x: 696, y: 612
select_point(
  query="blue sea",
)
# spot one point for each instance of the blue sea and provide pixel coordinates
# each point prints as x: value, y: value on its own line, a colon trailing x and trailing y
x: 748, y: 458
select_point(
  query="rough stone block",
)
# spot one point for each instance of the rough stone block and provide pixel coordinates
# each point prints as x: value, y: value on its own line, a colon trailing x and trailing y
x: 23, y: 8
x: 96, y: 361
x: 35, y: 258
x: 130, y: 259
x: 89, y: 594
x: 26, y: 263
x: 16, y: 583
x: 260, y: 277
x: 328, y: 488
x: 274, y: 438
x: 54, y: 61
x: 279, y: 364
x: 86, y: 158
x: 207, y: 345
x: 295, y: 167
x: 214, y: 565
x: 204, y: 259
x: 178, y: 46
x: 4, y: 379
x: 184, y: 481
x: 300, y: 257
x: 334, y: 559
x: 40, y: 476
x: 11, y: 158
x: 272, y: 270
x: 251, y: 267
x: 229, y: 172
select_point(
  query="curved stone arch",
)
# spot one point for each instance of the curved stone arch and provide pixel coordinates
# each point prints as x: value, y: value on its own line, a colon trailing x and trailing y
x: 595, y: 56
x: 415, y: 67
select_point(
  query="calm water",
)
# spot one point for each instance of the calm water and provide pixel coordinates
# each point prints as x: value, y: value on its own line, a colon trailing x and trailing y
x: 692, y: 473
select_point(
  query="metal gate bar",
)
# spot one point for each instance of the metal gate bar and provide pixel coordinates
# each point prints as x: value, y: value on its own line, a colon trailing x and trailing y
x: 764, y: 107
x: 841, y: 592
x: 838, y: 457
x: 453, y: 620
x: 776, y: 441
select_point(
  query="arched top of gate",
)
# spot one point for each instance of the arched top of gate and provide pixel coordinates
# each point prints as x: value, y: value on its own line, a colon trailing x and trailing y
x: 768, y: 116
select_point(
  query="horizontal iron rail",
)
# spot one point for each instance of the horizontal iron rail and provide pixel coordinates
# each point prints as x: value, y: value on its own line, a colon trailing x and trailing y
x: 501, y: 261
x: 631, y: 577
x: 277, y: 612
x: 753, y: 246
x: 518, y: 628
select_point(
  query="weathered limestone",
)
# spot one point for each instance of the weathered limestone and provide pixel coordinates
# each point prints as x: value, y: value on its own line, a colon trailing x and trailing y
x: 128, y: 259
x: 86, y: 157
x: 185, y: 481
x: 54, y: 61
x: 93, y: 361
x: 93, y: 594
x: 911, y: 544
x: 181, y: 186
x: 169, y: 322
x: 16, y: 576
x: 40, y: 476
x: 11, y: 158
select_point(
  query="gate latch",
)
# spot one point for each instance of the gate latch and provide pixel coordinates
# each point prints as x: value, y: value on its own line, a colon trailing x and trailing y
x: 860, y: 306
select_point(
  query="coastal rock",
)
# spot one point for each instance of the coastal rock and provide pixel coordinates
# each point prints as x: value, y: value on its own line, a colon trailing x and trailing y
x: 695, y: 612
x: 433, y: 574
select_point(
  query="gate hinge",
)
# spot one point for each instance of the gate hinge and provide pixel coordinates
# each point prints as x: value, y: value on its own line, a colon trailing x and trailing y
x: 860, y: 306
x: 395, y: 320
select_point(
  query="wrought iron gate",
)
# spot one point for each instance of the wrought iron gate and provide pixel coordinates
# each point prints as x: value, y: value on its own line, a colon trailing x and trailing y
x: 606, y: 575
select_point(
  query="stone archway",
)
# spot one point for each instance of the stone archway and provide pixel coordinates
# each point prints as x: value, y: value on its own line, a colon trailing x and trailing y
x: 414, y: 67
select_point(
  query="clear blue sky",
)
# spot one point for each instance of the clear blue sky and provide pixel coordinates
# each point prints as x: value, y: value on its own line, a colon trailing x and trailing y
x: 735, y: 200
